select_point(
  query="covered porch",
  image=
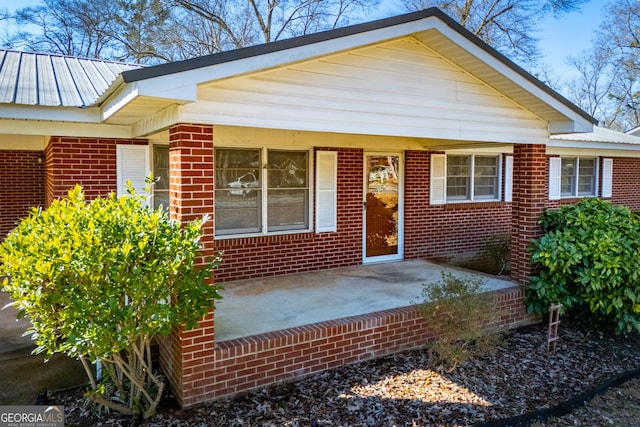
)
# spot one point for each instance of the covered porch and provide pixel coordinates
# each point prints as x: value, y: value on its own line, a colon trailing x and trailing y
x: 258, y: 306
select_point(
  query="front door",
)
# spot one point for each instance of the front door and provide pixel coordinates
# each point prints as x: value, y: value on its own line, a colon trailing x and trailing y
x: 383, y: 208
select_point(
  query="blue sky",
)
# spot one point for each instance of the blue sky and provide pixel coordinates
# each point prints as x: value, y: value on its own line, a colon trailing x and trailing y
x: 570, y: 34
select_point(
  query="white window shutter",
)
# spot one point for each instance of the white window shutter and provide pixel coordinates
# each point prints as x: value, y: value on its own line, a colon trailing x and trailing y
x: 438, y: 180
x: 132, y: 164
x: 555, y: 170
x: 508, y: 179
x: 326, y: 191
x: 607, y: 177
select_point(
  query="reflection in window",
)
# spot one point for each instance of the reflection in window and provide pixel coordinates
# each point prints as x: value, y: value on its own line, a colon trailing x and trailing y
x: 486, y: 177
x: 288, y: 190
x: 242, y: 185
x: 161, y: 174
x: 458, y: 177
x: 238, y: 196
x: 578, y: 177
x: 480, y: 173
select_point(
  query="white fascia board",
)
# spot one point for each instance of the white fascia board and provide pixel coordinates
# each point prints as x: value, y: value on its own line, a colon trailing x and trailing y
x: 57, y: 114
x: 182, y: 84
x: 634, y: 132
x: 91, y: 130
x: 517, y: 78
x: 178, y: 91
x: 558, y: 146
x: 120, y: 98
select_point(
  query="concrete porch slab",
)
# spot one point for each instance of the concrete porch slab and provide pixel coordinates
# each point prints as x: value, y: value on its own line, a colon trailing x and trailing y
x: 256, y: 306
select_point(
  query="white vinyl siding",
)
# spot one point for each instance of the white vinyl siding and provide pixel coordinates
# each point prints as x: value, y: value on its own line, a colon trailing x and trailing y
x: 132, y: 164
x: 326, y: 191
x: 399, y: 88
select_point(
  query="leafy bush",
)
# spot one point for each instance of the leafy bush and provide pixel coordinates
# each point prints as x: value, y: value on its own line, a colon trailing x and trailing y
x: 589, y: 261
x: 99, y: 280
x: 462, y: 317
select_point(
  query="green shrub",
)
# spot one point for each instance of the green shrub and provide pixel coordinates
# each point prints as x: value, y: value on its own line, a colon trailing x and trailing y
x: 589, y: 261
x: 463, y: 318
x: 99, y: 280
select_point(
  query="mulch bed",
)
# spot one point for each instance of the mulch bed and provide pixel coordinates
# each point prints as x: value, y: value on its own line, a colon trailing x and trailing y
x: 403, y: 390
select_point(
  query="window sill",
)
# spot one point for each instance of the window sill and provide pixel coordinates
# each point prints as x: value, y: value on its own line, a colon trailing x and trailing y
x: 475, y: 204
x: 258, y: 235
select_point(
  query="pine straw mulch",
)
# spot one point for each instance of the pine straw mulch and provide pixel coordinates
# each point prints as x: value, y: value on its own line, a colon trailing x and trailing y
x: 402, y: 390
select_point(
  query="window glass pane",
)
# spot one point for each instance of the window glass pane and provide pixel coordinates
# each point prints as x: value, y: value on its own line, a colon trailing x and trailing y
x: 238, y: 191
x: 288, y: 209
x: 288, y: 190
x: 287, y: 169
x: 161, y: 173
x: 458, y: 177
x: 485, y: 182
x: 568, y: 177
x: 586, y: 177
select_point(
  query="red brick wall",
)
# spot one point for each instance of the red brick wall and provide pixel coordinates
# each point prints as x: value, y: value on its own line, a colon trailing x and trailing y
x: 445, y: 231
x: 22, y: 180
x: 293, y: 253
x: 626, y: 176
x: 243, y: 364
x: 433, y: 232
x: 186, y: 355
x: 90, y: 162
x: 530, y: 197
x: 626, y: 181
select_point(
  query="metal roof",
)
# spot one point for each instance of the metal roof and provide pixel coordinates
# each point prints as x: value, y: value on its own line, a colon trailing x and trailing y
x: 55, y: 80
x: 599, y: 134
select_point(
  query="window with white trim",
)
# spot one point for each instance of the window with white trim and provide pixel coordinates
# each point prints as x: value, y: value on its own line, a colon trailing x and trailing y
x: 578, y: 177
x: 261, y: 190
x: 571, y: 177
x: 468, y: 178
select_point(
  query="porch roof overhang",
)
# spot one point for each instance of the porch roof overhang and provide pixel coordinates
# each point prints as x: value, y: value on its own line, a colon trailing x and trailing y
x: 599, y: 142
x: 151, y: 98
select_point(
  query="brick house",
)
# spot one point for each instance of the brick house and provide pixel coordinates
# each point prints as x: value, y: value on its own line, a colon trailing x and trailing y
x: 403, y: 138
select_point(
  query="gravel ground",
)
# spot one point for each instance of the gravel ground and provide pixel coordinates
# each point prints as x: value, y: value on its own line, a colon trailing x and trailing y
x: 401, y: 390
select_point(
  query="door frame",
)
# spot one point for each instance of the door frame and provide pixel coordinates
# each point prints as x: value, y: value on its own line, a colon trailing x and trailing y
x: 400, y: 254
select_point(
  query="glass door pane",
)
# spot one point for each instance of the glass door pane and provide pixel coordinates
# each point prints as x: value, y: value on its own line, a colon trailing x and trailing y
x: 382, y: 202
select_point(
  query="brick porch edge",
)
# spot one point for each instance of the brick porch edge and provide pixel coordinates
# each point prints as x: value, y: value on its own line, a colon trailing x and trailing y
x: 240, y: 365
